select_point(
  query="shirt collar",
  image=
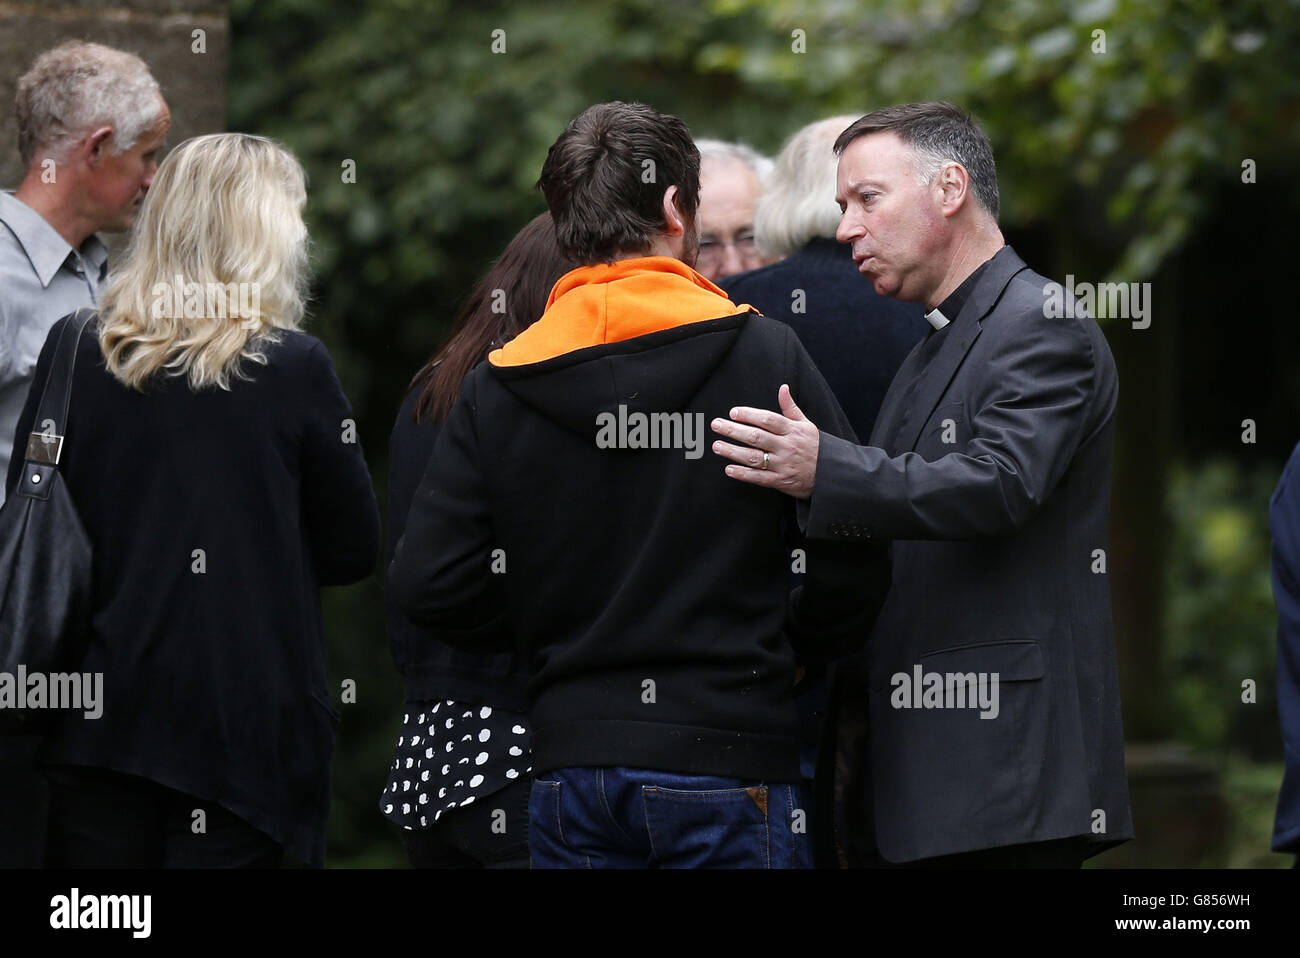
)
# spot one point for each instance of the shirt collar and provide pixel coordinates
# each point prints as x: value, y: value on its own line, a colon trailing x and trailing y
x: 46, y: 250
x: 950, y: 308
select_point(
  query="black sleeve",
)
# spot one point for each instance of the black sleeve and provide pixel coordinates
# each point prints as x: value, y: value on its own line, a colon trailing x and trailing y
x: 339, y: 507
x: 28, y: 415
x: 845, y: 582
x: 441, y: 574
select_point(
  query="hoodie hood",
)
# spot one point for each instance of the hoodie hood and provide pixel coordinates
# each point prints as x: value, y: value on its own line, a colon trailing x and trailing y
x: 644, y: 333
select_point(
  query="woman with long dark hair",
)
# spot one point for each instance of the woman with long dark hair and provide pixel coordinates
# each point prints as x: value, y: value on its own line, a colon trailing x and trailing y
x: 460, y: 777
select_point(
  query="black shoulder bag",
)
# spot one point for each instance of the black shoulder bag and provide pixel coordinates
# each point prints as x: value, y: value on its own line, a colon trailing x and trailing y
x: 45, y: 554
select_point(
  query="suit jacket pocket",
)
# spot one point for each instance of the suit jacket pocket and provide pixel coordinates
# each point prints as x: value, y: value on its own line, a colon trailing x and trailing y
x: 1013, y: 660
x: 945, y: 432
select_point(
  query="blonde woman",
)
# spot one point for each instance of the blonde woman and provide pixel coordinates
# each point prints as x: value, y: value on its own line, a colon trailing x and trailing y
x: 213, y: 459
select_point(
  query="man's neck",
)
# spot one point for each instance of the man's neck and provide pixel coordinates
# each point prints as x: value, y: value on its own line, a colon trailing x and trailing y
x: 50, y: 201
x: 968, y: 254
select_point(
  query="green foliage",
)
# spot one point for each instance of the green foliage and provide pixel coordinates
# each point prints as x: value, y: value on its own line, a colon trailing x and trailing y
x: 1221, y: 625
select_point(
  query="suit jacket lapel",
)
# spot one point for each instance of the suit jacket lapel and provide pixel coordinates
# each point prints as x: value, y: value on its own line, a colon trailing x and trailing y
x: 889, y: 406
x: 966, y: 328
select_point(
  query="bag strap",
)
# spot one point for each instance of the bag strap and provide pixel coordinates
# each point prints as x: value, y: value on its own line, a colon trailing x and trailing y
x: 47, y: 447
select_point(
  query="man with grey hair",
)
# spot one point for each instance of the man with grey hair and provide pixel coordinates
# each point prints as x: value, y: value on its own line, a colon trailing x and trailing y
x: 91, y: 123
x: 731, y: 178
x: 988, y: 471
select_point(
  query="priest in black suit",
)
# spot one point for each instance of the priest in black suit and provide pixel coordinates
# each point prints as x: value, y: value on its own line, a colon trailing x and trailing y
x: 981, y: 725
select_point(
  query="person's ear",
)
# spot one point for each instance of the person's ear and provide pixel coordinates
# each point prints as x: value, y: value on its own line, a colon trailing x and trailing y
x: 96, y: 145
x: 674, y: 222
x: 953, y: 183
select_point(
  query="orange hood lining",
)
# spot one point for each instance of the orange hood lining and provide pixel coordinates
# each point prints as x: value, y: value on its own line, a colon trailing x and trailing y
x: 611, y: 302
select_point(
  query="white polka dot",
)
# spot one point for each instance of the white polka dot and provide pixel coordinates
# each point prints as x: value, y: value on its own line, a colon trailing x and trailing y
x: 410, y: 762
x: 442, y: 793
x: 466, y: 738
x: 476, y: 781
x: 467, y: 715
x: 484, y: 712
x: 516, y: 750
x: 423, y: 820
x: 421, y: 718
x: 401, y: 739
x: 423, y: 798
x: 484, y: 735
x: 432, y: 729
x: 450, y: 746
x: 457, y: 784
x: 436, y: 706
x: 428, y: 752
x: 406, y: 809
x: 511, y: 773
x: 415, y: 740
x: 424, y: 776
x: 482, y: 757
x: 467, y: 801
x: 463, y: 761
x: 448, y: 702
x: 394, y: 786
x: 406, y: 786
x: 450, y: 723
x: 445, y: 769
x: 405, y: 718
x: 519, y: 730
x: 387, y: 809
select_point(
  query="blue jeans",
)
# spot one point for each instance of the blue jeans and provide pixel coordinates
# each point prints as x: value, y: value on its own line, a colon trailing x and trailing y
x: 638, y: 818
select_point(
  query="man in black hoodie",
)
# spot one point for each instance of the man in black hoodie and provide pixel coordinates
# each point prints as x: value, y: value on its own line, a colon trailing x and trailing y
x: 573, y: 509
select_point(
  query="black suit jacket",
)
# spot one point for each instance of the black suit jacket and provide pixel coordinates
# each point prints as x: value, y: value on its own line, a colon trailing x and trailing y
x: 996, y: 496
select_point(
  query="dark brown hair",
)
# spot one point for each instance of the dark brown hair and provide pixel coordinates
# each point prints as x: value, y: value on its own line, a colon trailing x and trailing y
x: 507, y: 300
x: 605, y: 177
x: 939, y: 133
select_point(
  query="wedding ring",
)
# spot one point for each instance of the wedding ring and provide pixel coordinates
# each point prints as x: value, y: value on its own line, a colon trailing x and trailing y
x: 766, y: 460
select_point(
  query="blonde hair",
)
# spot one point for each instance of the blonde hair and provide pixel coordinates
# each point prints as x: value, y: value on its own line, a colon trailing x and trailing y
x: 224, y: 214
x: 76, y: 87
x: 798, y: 199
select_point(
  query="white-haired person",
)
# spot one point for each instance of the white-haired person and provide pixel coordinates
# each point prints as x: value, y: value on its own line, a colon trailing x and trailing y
x: 731, y: 178
x: 213, y: 459
x: 90, y: 124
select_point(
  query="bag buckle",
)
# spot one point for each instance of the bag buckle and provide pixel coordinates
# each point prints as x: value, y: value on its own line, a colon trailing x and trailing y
x: 45, y: 448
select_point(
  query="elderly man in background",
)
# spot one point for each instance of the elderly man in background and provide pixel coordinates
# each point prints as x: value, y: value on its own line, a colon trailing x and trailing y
x: 91, y: 123
x: 731, y: 178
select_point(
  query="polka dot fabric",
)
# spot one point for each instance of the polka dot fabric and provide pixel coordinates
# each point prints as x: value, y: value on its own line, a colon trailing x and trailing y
x: 449, y: 755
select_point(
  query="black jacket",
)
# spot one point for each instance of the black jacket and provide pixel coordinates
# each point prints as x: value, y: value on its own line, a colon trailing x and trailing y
x: 856, y: 337
x: 996, y: 495
x: 215, y: 517
x: 430, y: 668
x: 647, y: 589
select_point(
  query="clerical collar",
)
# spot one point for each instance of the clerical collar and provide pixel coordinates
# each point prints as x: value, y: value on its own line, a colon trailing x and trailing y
x: 948, y: 310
